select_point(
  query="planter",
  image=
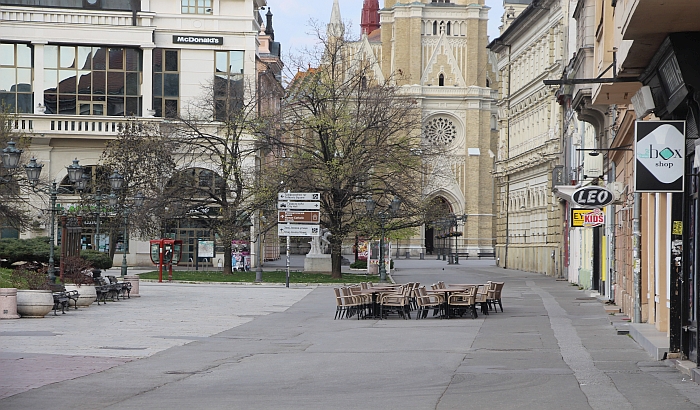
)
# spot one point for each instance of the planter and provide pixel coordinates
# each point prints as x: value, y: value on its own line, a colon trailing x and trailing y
x: 8, y: 303
x: 34, y: 303
x: 87, y: 294
x: 134, y: 279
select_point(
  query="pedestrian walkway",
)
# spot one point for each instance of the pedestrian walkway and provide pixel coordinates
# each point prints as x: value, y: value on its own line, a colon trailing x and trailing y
x: 263, y: 347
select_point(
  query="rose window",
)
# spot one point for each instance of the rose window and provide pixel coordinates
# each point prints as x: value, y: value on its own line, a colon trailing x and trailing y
x: 440, y: 131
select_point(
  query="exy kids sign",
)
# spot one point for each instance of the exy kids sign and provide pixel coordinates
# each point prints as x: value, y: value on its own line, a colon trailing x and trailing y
x: 659, y: 156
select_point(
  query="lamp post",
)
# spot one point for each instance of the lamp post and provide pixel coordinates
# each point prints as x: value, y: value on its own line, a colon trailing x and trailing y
x: 384, y: 217
x: 10, y: 160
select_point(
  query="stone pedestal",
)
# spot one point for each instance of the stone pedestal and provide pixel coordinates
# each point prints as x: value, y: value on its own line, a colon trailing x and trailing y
x: 8, y: 303
x: 134, y: 279
x: 318, y: 263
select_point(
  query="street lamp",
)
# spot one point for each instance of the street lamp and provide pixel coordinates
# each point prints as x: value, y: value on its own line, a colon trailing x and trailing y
x: 116, y: 182
x: 384, y: 217
x: 10, y: 160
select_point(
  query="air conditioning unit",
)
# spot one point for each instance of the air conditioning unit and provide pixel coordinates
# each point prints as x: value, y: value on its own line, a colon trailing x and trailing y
x: 643, y: 102
x: 593, y: 166
x: 618, y: 189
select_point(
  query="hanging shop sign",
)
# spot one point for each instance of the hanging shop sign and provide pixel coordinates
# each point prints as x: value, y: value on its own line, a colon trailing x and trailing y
x: 587, y: 218
x: 659, y: 152
x: 593, y: 196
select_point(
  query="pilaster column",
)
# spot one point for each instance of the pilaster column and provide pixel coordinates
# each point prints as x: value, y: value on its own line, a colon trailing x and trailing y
x: 147, y: 82
x: 38, y: 84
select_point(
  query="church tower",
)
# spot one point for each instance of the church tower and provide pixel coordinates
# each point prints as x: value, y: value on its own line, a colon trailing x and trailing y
x: 370, y: 16
x: 436, y: 51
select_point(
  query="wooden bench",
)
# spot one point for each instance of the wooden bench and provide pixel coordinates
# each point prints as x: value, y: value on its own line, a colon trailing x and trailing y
x: 123, y: 288
x: 491, y: 255
x: 62, y: 298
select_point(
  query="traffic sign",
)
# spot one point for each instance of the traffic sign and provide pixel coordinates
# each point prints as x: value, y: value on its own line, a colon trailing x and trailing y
x: 312, y: 206
x: 299, y: 216
x: 298, y: 230
x: 298, y: 196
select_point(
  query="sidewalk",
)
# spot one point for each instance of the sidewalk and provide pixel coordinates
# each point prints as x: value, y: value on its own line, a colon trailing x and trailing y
x: 260, y: 347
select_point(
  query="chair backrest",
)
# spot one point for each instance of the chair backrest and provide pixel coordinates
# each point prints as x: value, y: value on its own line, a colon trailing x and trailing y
x: 338, y: 299
x: 499, y: 288
x: 441, y: 285
x: 433, y: 286
x: 364, y: 285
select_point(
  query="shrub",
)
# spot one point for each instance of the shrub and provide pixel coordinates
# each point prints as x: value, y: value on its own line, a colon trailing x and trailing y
x: 99, y: 260
x: 29, y: 250
x: 23, y: 278
x: 77, y: 271
x: 359, y: 264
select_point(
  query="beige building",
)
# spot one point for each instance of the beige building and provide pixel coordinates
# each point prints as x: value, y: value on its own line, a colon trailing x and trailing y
x: 532, y: 47
x: 73, y: 73
x: 439, y: 50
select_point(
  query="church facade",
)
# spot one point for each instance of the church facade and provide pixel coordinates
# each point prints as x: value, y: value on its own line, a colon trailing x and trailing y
x: 436, y: 51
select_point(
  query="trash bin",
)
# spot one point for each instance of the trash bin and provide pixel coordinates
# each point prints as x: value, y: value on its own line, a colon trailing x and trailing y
x: 408, y: 255
x: 422, y: 256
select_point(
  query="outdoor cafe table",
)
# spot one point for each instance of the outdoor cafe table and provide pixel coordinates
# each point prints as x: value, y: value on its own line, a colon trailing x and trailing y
x: 446, y: 292
x: 375, y: 291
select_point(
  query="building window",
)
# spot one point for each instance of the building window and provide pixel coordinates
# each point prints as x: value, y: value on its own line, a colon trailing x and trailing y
x: 441, y: 80
x: 166, y: 82
x: 16, y: 78
x: 228, y: 83
x: 196, y: 7
x: 92, y: 80
x: 440, y: 131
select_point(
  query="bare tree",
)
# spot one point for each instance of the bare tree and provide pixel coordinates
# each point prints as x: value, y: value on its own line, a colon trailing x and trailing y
x: 14, y: 205
x: 351, y: 135
x: 144, y: 154
x: 220, y: 159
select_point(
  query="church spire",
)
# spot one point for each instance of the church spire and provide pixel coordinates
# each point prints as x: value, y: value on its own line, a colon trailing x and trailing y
x: 370, y: 16
x: 336, y: 28
x: 268, y: 26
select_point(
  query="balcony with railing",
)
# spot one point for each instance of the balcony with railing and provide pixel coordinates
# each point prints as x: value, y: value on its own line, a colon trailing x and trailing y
x: 72, y: 126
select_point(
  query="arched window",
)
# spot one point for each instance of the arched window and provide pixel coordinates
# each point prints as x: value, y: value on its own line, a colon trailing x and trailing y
x: 434, y: 28
x: 488, y: 83
x: 448, y: 28
x: 441, y: 80
x: 442, y: 27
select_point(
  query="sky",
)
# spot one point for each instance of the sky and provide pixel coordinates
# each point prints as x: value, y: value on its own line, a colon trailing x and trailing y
x: 291, y: 19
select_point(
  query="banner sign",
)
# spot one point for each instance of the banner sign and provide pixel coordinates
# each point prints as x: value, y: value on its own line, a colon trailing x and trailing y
x: 659, y: 152
x: 586, y: 218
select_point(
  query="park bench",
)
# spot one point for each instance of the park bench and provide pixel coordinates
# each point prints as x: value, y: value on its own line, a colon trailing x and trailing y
x: 491, y: 255
x: 62, y: 298
x: 105, y: 289
x: 123, y: 288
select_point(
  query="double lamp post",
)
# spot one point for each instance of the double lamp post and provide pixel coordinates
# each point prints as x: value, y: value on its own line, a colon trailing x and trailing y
x: 383, y: 218
x: 76, y: 174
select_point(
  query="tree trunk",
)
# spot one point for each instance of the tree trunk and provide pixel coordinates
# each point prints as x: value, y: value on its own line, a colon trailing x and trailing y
x: 336, y: 258
x: 227, y: 258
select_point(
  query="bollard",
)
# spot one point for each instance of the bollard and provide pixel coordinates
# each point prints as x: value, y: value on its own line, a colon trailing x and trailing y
x: 422, y: 256
x: 8, y: 303
x: 408, y: 255
x: 134, y: 279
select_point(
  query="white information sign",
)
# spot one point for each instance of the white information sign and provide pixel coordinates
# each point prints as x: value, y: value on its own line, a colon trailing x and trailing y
x: 298, y: 196
x: 298, y: 230
x: 291, y: 206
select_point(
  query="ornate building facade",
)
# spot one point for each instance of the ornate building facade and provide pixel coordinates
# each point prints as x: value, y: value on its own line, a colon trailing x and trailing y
x: 531, y: 48
x: 436, y: 51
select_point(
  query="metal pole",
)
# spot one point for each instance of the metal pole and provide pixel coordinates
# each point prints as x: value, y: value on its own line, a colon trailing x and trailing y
x: 126, y: 241
x: 382, y: 267
x: 258, y: 264
x: 288, y: 242
x: 98, y: 199
x: 52, y: 268
x: 636, y: 255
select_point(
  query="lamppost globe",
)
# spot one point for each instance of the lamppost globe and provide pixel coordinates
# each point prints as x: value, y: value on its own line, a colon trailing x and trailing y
x: 75, y: 172
x: 11, y: 155
x: 33, y: 171
x: 81, y: 183
x: 139, y: 198
x: 370, y: 205
x: 113, y: 200
x: 116, y: 181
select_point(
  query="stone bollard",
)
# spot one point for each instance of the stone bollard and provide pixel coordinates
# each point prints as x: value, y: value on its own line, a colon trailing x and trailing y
x: 8, y: 303
x: 134, y: 279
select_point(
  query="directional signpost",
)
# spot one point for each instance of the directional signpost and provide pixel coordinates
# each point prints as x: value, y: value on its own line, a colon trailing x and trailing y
x: 302, y: 208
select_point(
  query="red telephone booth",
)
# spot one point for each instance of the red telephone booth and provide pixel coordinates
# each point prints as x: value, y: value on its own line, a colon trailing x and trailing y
x: 166, y: 252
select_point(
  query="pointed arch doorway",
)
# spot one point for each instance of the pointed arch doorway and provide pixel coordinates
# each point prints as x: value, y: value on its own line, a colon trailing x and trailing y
x: 439, y: 208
